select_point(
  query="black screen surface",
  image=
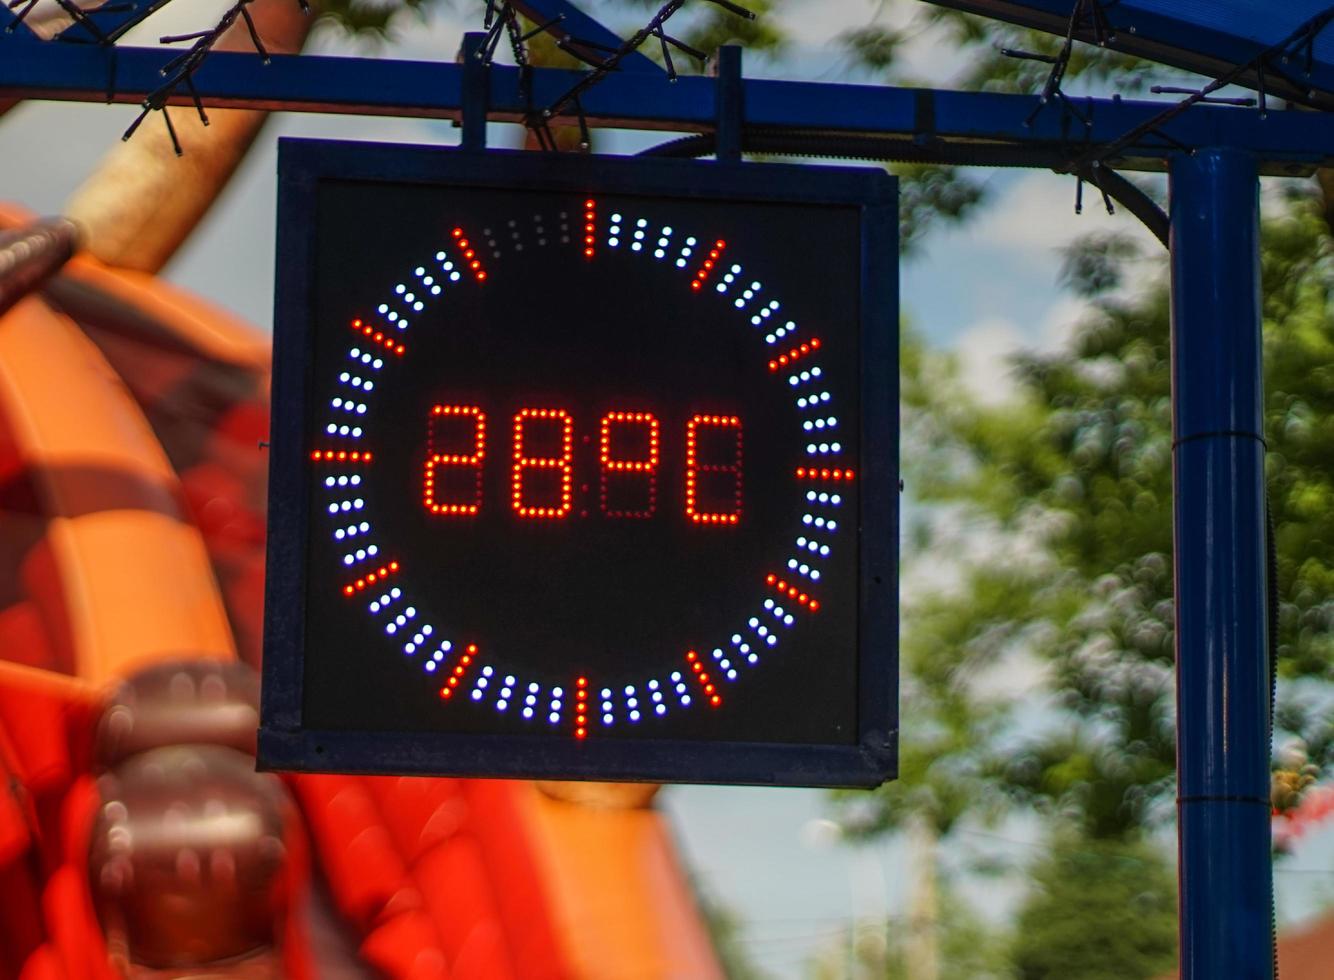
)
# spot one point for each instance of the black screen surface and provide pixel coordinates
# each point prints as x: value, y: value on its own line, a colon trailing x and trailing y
x: 581, y: 466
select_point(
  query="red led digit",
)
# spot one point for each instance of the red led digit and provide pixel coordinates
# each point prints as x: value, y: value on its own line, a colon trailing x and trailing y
x: 430, y: 496
x: 695, y: 467
x: 524, y: 462
x: 612, y: 463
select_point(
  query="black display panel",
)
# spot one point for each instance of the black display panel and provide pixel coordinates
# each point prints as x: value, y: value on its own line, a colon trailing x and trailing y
x: 582, y: 468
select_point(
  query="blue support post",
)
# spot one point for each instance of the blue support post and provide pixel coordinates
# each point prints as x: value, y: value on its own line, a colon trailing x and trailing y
x: 476, y: 92
x: 1223, y: 686
x: 729, y: 103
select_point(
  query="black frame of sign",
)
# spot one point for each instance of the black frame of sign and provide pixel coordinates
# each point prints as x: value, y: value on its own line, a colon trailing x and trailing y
x: 287, y: 743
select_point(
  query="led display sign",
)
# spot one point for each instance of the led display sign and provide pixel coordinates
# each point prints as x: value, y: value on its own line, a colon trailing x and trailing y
x: 582, y: 468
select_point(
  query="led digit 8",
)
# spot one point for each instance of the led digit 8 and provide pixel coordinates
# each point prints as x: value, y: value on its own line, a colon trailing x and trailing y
x: 523, y: 463
x: 634, y: 450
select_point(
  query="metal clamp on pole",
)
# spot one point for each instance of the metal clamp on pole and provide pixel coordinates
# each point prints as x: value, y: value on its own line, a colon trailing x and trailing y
x: 476, y: 91
x: 1221, y: 574
x: 729, y: 103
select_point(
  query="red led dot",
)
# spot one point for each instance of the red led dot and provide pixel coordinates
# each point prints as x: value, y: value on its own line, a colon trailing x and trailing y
x: 458, y: 232
x: 348, y: 590
x: 715, y: 700
x: 815, y: 605
x: 445, y: 692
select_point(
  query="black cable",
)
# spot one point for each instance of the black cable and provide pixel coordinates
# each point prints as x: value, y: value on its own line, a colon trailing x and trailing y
x: 900, y: 149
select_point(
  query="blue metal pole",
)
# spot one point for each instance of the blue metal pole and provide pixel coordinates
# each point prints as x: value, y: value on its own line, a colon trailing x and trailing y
x: 1224, y: 869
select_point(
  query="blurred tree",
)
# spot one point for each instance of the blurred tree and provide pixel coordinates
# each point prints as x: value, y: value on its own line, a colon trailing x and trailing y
x: 970, y: 948
x: 1098, y: 910
x: 1059, y: 503
x: 1067, y: 487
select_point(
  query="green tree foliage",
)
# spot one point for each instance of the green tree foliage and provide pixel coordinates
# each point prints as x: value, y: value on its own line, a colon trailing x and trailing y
x: 1099, y: 910
x: 1071, y: 482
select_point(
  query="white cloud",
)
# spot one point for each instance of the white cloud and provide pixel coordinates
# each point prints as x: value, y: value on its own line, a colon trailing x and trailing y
x: 984, y: 351
x: 1037, y: 215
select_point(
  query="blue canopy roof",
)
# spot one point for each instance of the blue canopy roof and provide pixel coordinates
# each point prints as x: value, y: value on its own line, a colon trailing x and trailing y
x: 1205, y: 36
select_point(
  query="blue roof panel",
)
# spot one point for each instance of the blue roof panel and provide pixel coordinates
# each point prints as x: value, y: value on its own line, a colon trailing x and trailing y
x: 1205, y: 36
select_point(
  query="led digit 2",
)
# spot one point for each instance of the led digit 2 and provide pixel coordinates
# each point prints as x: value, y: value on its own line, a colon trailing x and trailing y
x: 430, y: 494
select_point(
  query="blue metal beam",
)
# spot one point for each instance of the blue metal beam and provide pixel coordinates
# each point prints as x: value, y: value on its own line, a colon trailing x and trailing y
x: 1281, y: 141
x: 1192, y: 36
x: 577, y: 25
x: 114, y: 23
x: 12, y: 30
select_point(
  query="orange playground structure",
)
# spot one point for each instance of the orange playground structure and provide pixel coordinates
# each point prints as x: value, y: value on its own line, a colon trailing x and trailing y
x: 136, y: 839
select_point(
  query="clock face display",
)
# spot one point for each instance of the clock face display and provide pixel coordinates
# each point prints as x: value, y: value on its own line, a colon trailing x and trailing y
x: 581, y: 465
